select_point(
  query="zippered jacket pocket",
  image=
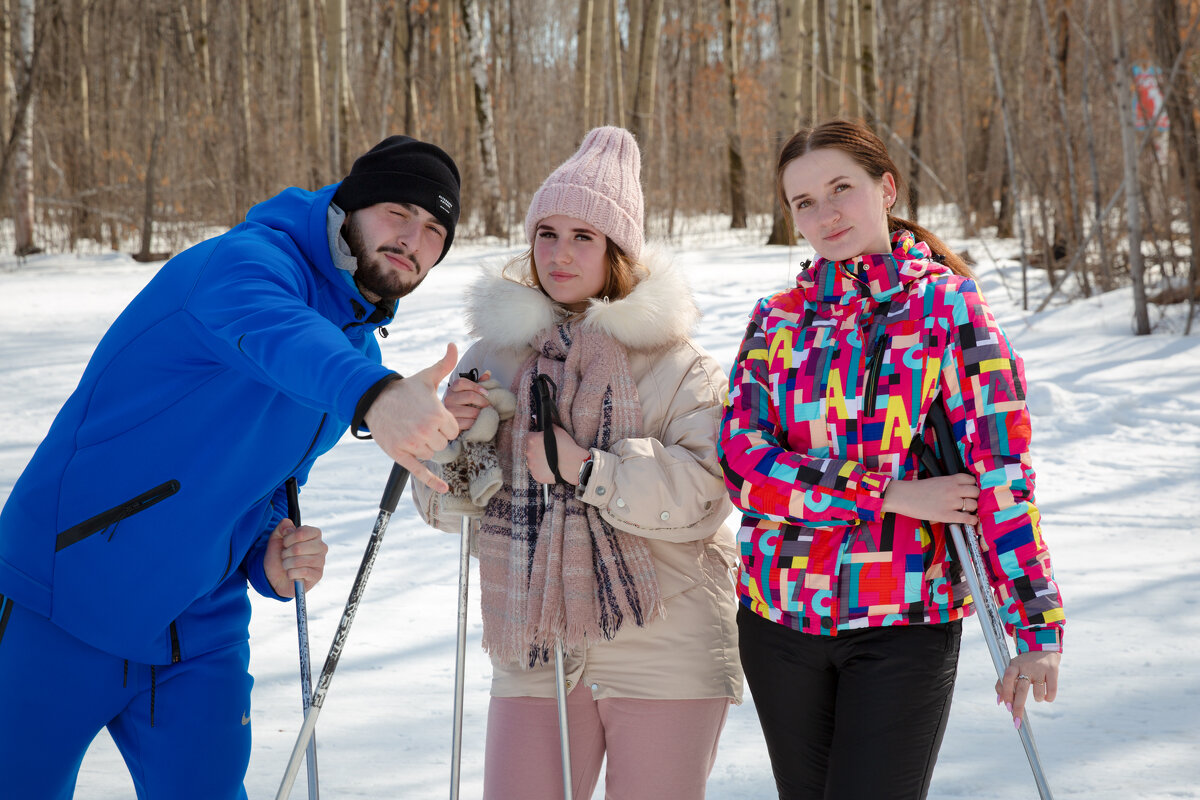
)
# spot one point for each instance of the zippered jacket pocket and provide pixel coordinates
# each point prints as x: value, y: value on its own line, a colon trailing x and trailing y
x: 106, y: 519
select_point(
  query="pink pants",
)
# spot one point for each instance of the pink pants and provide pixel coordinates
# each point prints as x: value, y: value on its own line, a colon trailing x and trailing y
x: 657, y: 749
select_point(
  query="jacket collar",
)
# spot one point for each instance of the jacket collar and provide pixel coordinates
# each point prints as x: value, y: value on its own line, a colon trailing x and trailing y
x: 658, y: 313
x: 881, y: 275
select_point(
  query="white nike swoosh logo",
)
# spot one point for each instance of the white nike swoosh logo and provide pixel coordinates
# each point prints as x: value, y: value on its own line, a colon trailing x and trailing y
x: 245, y: 718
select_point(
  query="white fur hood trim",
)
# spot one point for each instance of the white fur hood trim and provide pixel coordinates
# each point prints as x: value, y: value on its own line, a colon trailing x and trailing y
x: 658, y: 313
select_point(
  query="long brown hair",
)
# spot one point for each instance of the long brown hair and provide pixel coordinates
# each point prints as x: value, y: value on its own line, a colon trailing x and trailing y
x: 622, y: 272
x: 867, y: 150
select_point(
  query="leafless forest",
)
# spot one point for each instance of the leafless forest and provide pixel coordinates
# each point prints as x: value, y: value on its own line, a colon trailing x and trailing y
x: 125, y: 118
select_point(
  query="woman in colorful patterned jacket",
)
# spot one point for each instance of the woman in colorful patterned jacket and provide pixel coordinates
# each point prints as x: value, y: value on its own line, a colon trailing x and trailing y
x: 631, y: 564
x: 851, y: 606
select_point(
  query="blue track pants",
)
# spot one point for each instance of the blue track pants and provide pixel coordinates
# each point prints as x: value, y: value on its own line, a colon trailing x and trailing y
x: 183, y: 729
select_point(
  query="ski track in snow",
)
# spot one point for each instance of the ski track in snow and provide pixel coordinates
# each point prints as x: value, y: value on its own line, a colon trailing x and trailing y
x: 1116, y: 448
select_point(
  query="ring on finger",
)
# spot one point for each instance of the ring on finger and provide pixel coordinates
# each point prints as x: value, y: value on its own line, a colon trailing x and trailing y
x: 1024, y: 677
x: 963, y: 510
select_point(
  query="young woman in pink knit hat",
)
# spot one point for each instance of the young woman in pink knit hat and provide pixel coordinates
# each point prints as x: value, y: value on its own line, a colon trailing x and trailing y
x: 629, y: 564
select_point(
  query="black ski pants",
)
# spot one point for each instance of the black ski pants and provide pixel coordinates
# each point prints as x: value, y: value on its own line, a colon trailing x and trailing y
x: 857, y: 716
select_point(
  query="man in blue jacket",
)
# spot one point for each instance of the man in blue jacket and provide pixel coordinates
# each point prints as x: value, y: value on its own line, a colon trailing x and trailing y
x: 127, y: 543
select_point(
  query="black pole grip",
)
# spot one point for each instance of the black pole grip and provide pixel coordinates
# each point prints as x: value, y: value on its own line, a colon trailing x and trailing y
x: 944, y: 433
x: 293, y: 500
x: 394, y: 488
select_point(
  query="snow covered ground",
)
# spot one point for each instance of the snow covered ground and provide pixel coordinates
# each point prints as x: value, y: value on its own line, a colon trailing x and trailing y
x: 1117, y: 450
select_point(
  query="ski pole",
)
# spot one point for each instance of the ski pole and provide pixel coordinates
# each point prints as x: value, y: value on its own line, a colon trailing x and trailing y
x: 387, y: 505
x: 314, y: 788
x: 544, y: 412
x: 993, y: 634
x: 966, y: 546
x: 460, y: 661
x: 560, y: 694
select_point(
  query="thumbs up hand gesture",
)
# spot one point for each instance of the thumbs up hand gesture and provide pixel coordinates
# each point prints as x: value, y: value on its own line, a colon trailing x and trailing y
x: 409, y: 422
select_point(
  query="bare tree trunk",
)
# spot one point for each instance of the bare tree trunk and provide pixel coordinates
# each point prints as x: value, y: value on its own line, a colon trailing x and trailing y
x: 737, y: 169
x: 978, y: 112
x: 846, y: 60
x: 1122, y: 75
x: 618, y: 71
x: 403, y: 72
x: 6, y: 76
x: 310, y: 92
x: 643, y: 99
x: 1072, y: 203
x: 23, y: 162
x: 493, y: 218
x: 868, y: 72
x: 84, y: 224
x: 812, y: 64
x: 635, y: 9
x: 197, y: 45
x: 923, y: 75
x: 450, y: 60
x: 158, y: 98
x: 787, y: 104
x: 336, y: 47
x: 583, y: 64
x: 823, y: 60
x: 241, y: 180
x: 1010, y: 105
x: 1009, y: 147
x: 1181, y: 112
x: 1106, y: 278
x: 596, y: 71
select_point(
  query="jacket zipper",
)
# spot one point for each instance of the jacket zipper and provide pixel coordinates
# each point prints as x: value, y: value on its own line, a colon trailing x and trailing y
x: 874, y: 367
x: 875, y: 362
x: 6, y: 606
x: 105, y: 519
x: 175, y: 657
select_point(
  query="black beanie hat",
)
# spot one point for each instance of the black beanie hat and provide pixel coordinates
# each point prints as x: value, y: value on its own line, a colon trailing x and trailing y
x: 401, y: 169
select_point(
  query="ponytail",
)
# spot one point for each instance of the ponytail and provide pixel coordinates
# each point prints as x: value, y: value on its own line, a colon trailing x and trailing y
x: 936, y: 246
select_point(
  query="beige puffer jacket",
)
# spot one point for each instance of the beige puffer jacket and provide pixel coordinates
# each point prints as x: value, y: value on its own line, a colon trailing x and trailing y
x: 665, y: 486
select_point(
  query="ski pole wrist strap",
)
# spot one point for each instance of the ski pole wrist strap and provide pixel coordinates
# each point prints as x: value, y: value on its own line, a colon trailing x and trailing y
x: 545, y: 417
x: 367, y: 400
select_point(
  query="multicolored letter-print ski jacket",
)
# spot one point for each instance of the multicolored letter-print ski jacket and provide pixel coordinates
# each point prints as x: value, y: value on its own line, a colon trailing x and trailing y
x: 832, y: 382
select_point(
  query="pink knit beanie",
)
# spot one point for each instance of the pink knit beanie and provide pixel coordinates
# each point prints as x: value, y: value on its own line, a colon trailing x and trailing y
x: 600, y: 185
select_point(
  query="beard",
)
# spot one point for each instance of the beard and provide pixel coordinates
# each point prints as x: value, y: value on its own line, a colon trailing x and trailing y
x: 374, y: 274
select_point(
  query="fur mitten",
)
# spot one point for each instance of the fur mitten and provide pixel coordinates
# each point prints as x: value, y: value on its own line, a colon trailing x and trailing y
x: 470, y: 465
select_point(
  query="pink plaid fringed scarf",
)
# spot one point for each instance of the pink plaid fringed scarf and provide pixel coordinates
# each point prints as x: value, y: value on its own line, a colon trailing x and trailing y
x: 566, y: 574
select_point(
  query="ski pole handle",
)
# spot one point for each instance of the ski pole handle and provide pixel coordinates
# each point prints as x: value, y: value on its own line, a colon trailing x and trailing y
x: 387, y: 505
x: 293, y: 503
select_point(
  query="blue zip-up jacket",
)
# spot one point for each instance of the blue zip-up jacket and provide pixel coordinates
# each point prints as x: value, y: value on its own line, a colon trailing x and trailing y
x: 148, y: 506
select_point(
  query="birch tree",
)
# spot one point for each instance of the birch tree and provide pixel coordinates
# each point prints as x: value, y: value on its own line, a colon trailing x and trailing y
x: 1122, y: 77
x: 493, y: 220
x: 23, y: 135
